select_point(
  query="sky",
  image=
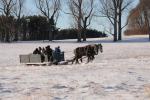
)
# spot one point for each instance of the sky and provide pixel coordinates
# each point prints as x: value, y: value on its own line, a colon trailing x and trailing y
x: 64, y: 21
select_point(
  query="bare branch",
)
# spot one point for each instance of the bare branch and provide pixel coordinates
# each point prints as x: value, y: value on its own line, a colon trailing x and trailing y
x: 125, y: 6
x: 49, y: 8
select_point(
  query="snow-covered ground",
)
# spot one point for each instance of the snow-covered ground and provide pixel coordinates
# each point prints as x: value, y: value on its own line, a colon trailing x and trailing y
x: 121, y: 72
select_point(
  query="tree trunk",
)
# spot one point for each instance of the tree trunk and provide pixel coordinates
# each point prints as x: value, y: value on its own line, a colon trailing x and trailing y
x: 50, y: 32
x: 79, y: 29
x: 16, y: 36
x: 84, y: 34
x: 24, y: 36
x: 7, y: 37
x: 79, y: 36
x: 119, y: 26
x: 53, y: 34
x: 17, y: 33
x: 24, y: 31
x: 149, y: 30
x: 84, y: 28
x: 7, y: 31
x: 51, y: 28
x: 79, y: 22
x: 148, y: 26
x: 149, y: 34
x: 79, y: 33
x: 147, y: 22
x: 115, y: 32
x: 115, y: 27
x: 18, y: 29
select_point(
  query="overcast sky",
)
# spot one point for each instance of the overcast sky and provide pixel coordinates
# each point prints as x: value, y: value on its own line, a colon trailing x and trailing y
x: 64, y: 22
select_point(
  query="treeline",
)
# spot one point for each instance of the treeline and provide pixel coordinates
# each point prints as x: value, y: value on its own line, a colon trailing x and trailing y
x: 29, y: 28
x: 36, y: 28
x: 72, y: 34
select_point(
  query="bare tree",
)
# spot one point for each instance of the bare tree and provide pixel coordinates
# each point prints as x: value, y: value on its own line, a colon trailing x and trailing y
x: 122, y: 5
x: 18, y: 12
x: 87, y: 15
x: 113, y: 10
x: 75, y: 7
x: 82, y: 13
x: 50, y: 9
x: 6, y: 9
x: 109, y: 10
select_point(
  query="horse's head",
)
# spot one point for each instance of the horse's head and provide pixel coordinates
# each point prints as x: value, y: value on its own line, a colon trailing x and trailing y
x: 99, y: 47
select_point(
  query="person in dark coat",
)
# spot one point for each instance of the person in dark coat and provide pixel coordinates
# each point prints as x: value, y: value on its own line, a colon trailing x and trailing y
x: 38, y: 51
x: 57, y: 55
x: 49, y: 53
x: 58, y: 49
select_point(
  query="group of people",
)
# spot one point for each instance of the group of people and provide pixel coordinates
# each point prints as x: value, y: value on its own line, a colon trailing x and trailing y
x: 47, y: 51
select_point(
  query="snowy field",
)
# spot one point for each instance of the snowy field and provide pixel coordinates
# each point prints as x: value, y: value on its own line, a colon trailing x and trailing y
x: 121, y: 72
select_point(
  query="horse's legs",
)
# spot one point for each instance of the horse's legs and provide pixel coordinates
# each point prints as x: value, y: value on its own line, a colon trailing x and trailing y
x: 88, y: 59
x: 77, y: 62
x: 92, y: 57
x: 81, y: 59
x: 73, y: 60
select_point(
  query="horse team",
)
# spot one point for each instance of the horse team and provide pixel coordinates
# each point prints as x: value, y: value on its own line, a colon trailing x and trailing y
x: 88, y: 51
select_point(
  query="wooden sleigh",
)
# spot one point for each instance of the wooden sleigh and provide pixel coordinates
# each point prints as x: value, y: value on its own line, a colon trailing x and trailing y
x: 35, y: 59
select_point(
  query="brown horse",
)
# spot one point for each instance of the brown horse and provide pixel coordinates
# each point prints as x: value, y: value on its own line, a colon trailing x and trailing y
x: 93, y: 50
x: 79, y: 52
x: 89, y: 51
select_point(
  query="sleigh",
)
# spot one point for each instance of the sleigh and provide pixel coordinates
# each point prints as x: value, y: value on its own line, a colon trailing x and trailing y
x: 35, y: 59
x: 32, y: 59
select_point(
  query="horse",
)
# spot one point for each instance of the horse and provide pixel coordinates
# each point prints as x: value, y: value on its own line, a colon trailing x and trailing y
x: 93, y: 50
x: 89, y: 51
x: 79, y: 52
